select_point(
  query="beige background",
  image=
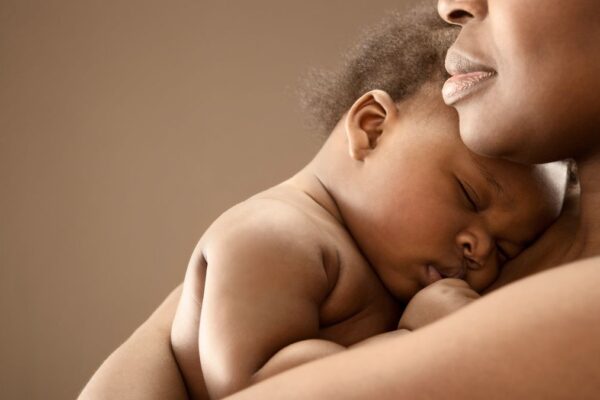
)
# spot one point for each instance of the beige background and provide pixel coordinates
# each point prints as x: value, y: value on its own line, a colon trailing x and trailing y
x: 126, y: 127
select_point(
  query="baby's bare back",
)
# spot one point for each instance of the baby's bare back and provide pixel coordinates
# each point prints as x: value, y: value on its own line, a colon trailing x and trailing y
x: 274, y: 275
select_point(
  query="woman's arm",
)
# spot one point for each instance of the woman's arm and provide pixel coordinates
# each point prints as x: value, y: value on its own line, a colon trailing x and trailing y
x: 143, y: 367
x: 536, y: 338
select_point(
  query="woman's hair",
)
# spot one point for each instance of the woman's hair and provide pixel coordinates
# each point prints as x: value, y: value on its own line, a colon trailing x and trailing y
x: 400, y: 54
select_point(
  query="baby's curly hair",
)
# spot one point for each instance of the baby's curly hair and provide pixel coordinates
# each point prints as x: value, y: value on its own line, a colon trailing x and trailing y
x: 399, y: 55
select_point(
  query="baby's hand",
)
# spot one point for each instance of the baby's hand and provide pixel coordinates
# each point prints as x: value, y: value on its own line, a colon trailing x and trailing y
x: 436, y: 301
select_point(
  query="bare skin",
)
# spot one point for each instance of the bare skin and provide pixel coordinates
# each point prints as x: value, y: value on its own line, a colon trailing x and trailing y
x: 508, y: 350
x: 350, y: 284
x: 539, y: 100
x: 515, y: 336
x: 552, y: 114
x: 526, y: 88
x: 106, y: 382
x: 144, y: 366
x: 316, y: 265
x: 529, y: 325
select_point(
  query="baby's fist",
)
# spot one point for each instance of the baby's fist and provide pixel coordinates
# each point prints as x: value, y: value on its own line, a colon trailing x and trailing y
x: 436, y: 301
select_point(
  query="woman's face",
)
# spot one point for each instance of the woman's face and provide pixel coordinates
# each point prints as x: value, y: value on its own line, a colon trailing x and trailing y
x: 526, y: 80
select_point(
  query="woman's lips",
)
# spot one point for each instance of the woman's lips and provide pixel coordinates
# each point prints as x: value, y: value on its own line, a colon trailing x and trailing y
x: 469, y: 74
x: 462, y: 85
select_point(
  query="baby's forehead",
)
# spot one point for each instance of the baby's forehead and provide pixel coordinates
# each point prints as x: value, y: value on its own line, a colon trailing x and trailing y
x: 529, y: 192
x: 508, y: 176
x: 532, y: 191
x: 493, y: 172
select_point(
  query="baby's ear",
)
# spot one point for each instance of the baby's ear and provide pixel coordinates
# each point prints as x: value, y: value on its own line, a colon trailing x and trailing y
x: 367, y: 120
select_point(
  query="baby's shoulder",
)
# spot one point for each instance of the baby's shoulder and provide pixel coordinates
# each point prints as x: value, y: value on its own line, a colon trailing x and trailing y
x: 269, y: 224
x: 270, y: 235
x: 267, y: 216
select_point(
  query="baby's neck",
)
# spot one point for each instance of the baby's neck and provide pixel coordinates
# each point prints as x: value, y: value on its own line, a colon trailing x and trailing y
x: 308, y: 182
x: 325, y: 177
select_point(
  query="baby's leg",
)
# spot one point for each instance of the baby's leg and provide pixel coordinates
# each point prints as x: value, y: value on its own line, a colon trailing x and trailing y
x: 186, y: 326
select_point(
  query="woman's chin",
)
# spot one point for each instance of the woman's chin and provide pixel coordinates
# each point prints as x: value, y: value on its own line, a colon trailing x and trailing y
x: 484, y: 141
x: 480, y: 141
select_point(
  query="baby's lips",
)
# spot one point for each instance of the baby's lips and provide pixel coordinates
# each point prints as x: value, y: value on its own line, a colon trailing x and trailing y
x: 432, y: 274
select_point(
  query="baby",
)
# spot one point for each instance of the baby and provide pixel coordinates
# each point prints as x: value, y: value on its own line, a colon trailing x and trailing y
x: 392, y: 203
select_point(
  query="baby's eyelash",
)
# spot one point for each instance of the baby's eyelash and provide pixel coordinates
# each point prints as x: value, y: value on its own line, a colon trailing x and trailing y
x: 503, y: 253
x: 468, y: 196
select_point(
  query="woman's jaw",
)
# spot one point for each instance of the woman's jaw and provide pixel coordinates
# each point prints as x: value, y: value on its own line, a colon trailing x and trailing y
x: 524, y: 77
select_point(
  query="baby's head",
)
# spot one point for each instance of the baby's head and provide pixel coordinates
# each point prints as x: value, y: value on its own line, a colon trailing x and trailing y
x: 421, y: 206
x: 418, y: 203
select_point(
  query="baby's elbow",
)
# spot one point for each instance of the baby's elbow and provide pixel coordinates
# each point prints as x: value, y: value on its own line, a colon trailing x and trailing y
x: 226, y: 381
x: 220, y: 391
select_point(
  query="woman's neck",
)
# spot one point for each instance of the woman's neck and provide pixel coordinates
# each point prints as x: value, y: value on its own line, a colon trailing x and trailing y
x: 587, y: 239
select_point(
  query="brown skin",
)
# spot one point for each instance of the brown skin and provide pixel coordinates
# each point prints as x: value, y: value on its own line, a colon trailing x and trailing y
x: 535, y: 338
x: 379, y: 143
x: 427, y: 218
x: 144, y: 366
x: 544, y: 101
x: 529, y: 325
x: 495, y: 348
x: 277, y: 288
x: 125, y: 372
x: 436, y: 301
x: 328, y: 258
x: 540, y: 51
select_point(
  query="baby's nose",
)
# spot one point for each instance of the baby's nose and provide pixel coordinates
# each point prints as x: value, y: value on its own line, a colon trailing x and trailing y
x: 476, y: 247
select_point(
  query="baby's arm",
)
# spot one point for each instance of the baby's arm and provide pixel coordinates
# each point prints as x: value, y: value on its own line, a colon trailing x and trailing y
x: 436, y: 301
x: 125, y: 374
x: 296, y: 354
x: 428, y: 305
x: 264, y: 286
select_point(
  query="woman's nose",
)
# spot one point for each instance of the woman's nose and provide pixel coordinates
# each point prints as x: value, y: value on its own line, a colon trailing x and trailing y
x: 460, y: 12
x: 476, y: 247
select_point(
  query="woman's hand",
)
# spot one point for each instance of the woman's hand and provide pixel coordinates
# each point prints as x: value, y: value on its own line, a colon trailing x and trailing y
x: 436, y: 301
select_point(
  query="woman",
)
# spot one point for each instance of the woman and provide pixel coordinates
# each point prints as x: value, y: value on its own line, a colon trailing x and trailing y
x: 529, y: 67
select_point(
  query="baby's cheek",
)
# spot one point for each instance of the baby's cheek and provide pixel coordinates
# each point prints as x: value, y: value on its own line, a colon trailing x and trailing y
x: 481, y: 279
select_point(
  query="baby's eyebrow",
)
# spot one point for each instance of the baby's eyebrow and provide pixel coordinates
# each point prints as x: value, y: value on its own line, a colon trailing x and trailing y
x: 491, y: 179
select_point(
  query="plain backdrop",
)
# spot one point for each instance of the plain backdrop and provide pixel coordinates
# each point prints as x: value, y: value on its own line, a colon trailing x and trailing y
x: 126, y: 127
